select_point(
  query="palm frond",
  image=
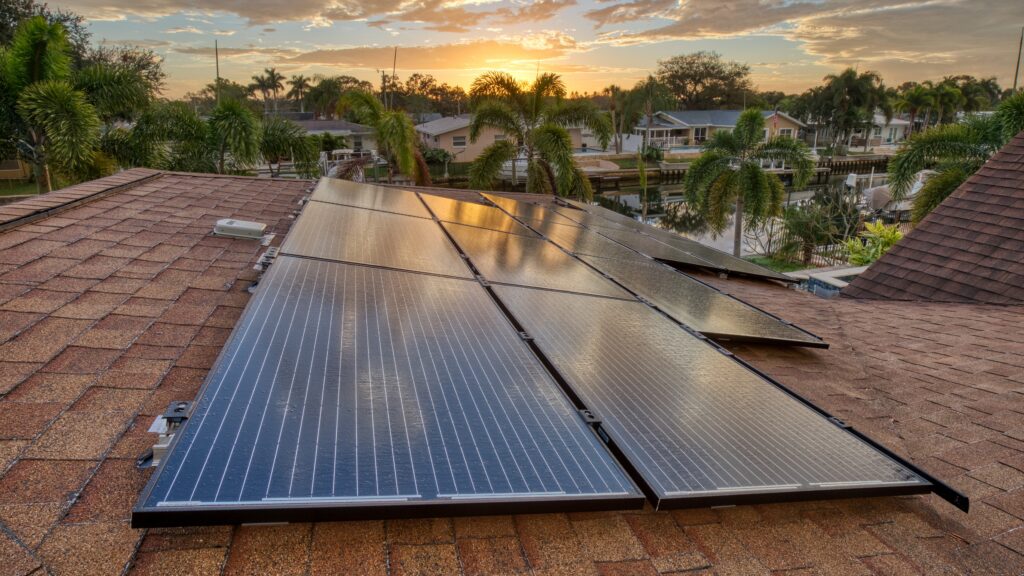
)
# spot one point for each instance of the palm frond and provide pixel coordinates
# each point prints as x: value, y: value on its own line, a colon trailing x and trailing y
x: 500, y: 85
x: 580, y: 112
x: 485, y: 169
x: 68, y: 122
x: 793, y: 152
x: 749, y: 129
x: 38, y: 51
x: 554, y: 145
x: 936, y: 189
x: 364, y: 105
x: 117, y: 93
x: 499, y: 115
x: 396, y: 134
x: 949, y: 142
x: 1011, y: 115
x: 700, y: 174
x: 236, y: 132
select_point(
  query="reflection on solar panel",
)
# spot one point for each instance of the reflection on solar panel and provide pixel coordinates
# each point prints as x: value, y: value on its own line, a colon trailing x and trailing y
x: 376, y: 238
x: 698, y: 305
x: 472, y: 214
x: 647, y: 245
x: 532, y: 213
x: 369, y: 196
x: 716, y: 257
x: 513, y: 259
x: 350, y: 391
x: 696, y: 425
x: 592, y: 220
x: 582, y: 241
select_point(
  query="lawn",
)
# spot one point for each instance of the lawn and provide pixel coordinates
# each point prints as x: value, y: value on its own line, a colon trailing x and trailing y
x: 776, y: 265
x: 17, y: 188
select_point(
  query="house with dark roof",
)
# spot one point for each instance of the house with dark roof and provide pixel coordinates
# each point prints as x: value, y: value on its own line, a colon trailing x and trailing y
x: 357, y: 136
x: 968, y: 249
x: 116, y: 299
x: 678, y: 128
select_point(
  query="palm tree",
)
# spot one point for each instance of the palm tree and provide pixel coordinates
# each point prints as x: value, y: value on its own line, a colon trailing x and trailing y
x: 948, y: 98
x: 534, y: 119
x: 617, y: 98
x: 261, y: 84
x: 955, y: 150
x: 913, y: 101
x: 299, y: 86
x: 275, y: 82
x: 235, y: 135
x: 394, y: 132
x: 647, y: 97
x: 730, y: 171
x: 282, y: 139
x: 54, y: 125
x: 854, y: 96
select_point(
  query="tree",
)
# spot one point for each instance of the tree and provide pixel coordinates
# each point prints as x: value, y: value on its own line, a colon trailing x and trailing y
x: 535, y: 119
x: 53, y: 125
x: 730, y: 171
x: 283, y: 139
x: 646, y: 98
x: 914, y: 100
x: 394, y: 132
x: 617, y: 101
x: 261, y: 84
x: 299, y: 87
x: 948, y: 98
x: 955, y: 151
x: 325, y: 96
x: 854, y: 97
x: 874, y: 241
x: 275, y: 83
x: 14, y: 12
x: 234, y: 132
x: 145, y: 63
x: 703, y: 80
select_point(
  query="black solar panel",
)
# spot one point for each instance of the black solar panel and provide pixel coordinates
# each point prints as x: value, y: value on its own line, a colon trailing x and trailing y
x: 583, y: 241
x: 588, y: 219
x: 651, y: 247
x: 348, y: 234
x: 350, y: 391
x: 514, y: 259
x: 698, y: 305
x: 717, y: 258
x: 472, y: 214
x: 369, y: 196
x: 532, y: 213
x: 699, y: 427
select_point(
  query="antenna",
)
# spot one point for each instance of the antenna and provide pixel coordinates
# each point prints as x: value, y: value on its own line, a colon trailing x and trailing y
x: 1016, y: 70
x: 394, y: 65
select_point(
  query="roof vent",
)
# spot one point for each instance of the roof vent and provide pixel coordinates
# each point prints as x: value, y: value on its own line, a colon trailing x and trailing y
x: 239, y: 229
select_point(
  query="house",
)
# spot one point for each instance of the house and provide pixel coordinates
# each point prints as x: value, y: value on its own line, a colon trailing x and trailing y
x: 968, y: 249
x: 673, y: 129
x: 115, y: 300
x: 14, y: 169
x: 357, y: 136
x: 883, y: 132
x: 451, y: 133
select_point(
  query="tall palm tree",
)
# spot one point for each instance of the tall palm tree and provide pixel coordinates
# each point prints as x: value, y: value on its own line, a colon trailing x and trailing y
x: 535, y: 119
x: 948, y: 98
x: 54, y: 125
x: 730, y: 172
x: 854, y: 96
x: 275, y: 82
x: 394, y: 132
x: 299, y: 87
x: 647, y: 97
x: 616, y: 113
x: 914, y: 100
x: 261, y: 84
x: 955, y: 150
x: 283, y: 139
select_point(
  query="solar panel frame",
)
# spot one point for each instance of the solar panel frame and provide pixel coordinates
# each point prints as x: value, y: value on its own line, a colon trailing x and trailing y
x: 583, y: 364
x: 540, y: 263
x: 473, y: 214
x: 699, y: 306
x: 544, y: 436
x: 373, y: 238
x: 369, y: 196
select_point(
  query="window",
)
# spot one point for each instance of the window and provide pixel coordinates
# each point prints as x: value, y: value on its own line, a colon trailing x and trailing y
x: 878, y: 130
x: 786, y: 132
x: 764, y: 135
x: 459, y: 141
x: 357, y: 142
x: 700, y: 134
x: 500, y: 137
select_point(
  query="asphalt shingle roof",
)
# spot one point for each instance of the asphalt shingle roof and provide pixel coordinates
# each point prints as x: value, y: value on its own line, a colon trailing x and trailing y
x: 114, y: 307
x: 969, y: 249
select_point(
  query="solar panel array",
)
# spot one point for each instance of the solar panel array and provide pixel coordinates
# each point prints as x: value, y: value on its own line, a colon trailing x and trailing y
x: 396, y: 362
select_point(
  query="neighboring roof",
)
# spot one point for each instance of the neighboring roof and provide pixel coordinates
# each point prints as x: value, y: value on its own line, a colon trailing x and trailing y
x: 723, y: 118
x: 343, y: 126
x: 444, y: 125
x: 969, y: 249
x: 112, y: 308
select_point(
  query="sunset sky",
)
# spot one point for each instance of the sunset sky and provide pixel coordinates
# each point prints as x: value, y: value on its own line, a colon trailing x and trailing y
x: 789, y: 44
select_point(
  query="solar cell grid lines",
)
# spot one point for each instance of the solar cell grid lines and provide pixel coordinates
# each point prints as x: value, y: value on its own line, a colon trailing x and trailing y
x: 697, y: 426
x: 355, y: 388
x: 361, y: 236
x: 699, y: 306
x: 370, y: 196
x: 532, y: 213
x: 472, y: 214
x: 514, y: 259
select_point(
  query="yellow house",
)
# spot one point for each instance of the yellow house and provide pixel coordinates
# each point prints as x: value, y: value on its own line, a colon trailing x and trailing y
x: 674, y: 129
x: 452, y: 134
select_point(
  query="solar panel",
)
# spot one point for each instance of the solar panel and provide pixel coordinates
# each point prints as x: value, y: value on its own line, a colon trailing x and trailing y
x: 697, y: 426
x: 350, y: 391
x: 532, y: 213
x: 472, y: 214
x: 588, y: 219
x: 651, y: 247
x: 513, y: 259
x: 370, y: 196
x: 582, y: 241
x: 348, y: 234
x: 700, y: 306
x: 717, y: 258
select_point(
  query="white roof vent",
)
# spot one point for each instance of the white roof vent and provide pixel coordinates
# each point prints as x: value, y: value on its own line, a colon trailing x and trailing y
x: 239, y: 229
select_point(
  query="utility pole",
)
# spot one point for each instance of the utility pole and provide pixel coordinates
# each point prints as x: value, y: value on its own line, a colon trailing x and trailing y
x: 216, y: 85
x: 394, y: 65
x: 1016, y: 70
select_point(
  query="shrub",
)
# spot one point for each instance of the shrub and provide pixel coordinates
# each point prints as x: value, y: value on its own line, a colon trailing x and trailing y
x: 874, y: 241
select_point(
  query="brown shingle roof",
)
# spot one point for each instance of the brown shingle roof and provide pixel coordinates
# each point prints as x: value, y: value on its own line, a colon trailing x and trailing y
x: 120, y: 305
x: 969, y: 249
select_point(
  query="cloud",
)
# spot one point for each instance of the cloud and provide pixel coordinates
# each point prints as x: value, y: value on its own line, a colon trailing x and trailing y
x: 183, y: 30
